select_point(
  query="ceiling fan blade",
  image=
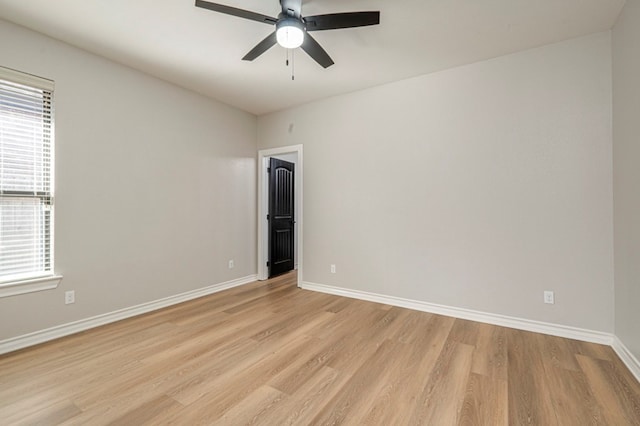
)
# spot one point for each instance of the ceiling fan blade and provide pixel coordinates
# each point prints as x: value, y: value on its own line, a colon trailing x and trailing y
x: 261, y: 47
x: 290, y: 7
x: 313, y: 49
x: 241, y: 13
x: 336, y: 21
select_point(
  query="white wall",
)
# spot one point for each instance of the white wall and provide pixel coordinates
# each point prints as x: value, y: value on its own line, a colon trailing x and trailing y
x: 155, y: 186
x: 626, y: 177
x: 477, y: 187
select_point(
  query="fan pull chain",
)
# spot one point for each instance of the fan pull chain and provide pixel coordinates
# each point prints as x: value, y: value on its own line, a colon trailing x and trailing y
x: 293, y: 77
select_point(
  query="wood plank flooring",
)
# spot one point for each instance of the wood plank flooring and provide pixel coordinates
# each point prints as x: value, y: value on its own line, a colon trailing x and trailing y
x: 269, y: 353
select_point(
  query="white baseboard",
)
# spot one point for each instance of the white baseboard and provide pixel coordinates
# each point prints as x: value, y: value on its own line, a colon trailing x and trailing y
x: 627, y: 357
x: 52, y: 333
x: 42, y: 336
x: 468, y: 314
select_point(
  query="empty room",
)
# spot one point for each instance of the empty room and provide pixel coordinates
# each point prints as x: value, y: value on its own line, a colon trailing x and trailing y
x: 294, y: 212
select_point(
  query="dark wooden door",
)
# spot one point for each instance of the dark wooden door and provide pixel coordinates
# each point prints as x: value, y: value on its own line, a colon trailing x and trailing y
x: 281, y: 216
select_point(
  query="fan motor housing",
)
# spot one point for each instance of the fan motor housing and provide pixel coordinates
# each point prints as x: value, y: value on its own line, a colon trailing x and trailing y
x: 289, y: 21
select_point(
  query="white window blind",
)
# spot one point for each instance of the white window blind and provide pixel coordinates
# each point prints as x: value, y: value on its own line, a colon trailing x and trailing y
x: 26, y: 172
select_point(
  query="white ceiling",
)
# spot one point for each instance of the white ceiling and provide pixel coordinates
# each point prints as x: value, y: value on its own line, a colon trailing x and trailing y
x: 202, y: 50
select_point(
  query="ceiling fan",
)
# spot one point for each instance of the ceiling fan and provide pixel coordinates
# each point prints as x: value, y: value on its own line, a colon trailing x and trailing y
x: 292, y: 28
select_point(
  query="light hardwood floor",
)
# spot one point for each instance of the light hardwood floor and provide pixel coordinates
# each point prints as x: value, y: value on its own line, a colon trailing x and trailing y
x: 272, y: 354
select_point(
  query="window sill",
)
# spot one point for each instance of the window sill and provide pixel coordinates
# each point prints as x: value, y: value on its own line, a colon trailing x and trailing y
x: 29, y: 286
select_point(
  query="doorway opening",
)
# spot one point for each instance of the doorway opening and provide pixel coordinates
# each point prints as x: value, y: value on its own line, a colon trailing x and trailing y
x: 293, y: 155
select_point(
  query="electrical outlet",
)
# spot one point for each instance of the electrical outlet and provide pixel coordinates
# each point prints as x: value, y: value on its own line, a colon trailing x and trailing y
x: 69, y: 297
x: 333, y: 269
x: 548, y: 297
x: 231, y: 264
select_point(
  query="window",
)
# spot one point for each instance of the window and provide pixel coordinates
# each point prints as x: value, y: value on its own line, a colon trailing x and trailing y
x: 26, y: 177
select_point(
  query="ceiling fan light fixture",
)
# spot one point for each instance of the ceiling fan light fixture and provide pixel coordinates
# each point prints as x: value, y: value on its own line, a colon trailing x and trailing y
x: 292, y: 27
x: 290, y: 33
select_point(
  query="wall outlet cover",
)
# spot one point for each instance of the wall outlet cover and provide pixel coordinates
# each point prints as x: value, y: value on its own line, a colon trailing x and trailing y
x: 548, y: 297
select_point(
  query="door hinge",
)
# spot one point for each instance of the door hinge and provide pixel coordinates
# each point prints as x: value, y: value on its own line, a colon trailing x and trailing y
x: 267, y: 263
x: 268, y: 169
x: 267, y: 217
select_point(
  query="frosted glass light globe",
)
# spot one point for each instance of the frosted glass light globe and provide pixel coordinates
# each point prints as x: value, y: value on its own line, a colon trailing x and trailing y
x: 289, y: 36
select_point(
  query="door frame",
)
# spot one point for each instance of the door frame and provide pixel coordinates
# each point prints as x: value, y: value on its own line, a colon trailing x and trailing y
x: 263, y: 207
